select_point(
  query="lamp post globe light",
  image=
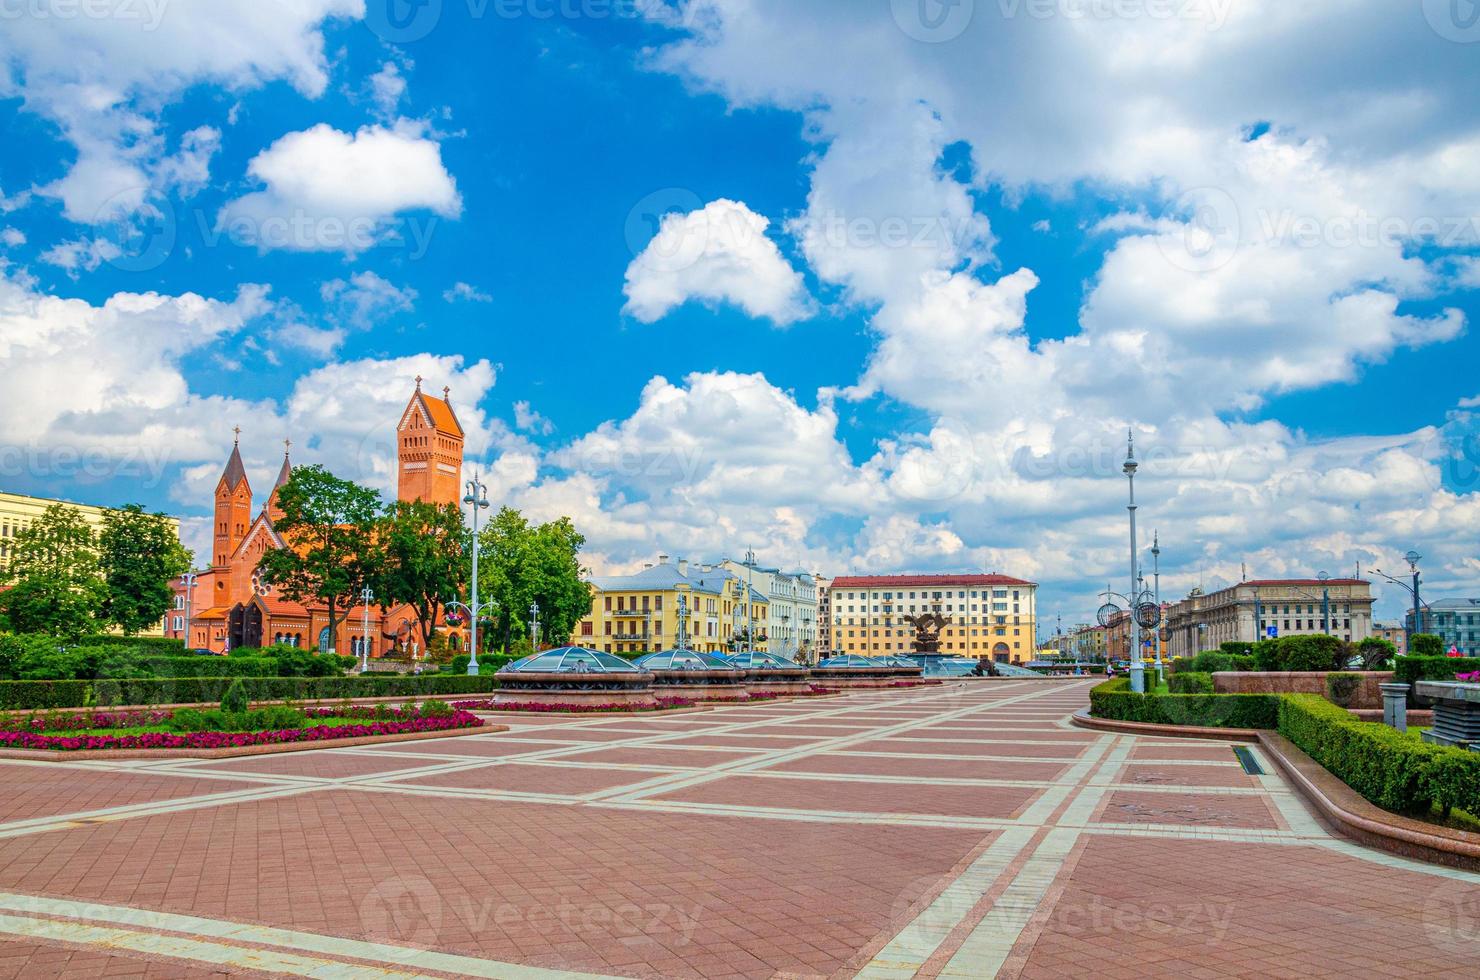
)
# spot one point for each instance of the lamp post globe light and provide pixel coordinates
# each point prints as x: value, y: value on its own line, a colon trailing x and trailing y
x: 477, y: 499
x: 1138, y: 676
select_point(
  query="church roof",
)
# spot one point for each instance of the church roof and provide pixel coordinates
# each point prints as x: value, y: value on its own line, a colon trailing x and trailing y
x: 235, y: 472
x: 284, y: 473
x: 442, y: 415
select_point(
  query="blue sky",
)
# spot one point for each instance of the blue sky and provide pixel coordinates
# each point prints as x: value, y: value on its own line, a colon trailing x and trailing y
x: 913, y: 284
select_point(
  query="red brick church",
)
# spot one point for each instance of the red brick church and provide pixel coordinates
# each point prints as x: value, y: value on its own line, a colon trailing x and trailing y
x: 230, y: 606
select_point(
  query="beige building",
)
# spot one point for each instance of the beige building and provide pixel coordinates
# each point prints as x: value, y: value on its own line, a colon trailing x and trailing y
x: 990, y: 615
x: 17, y: 511
x: 639, y: 613
x: 1270, y: 607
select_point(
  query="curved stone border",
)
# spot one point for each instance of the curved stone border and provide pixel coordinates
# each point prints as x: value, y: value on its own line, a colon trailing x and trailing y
x: 1335, y: 803
x: 642, y: 713
x: 1083, y: 719
x: 1344, y: 809
x: 231, y: 752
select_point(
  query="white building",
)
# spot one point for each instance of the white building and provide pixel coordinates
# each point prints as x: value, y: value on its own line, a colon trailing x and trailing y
x: 793, y: 607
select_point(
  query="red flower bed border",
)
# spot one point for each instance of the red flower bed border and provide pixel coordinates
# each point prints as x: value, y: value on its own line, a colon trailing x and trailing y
x: 403, y: 721
x: 546, y: 707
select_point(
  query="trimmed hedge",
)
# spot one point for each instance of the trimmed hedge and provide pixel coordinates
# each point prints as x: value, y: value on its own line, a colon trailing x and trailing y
x: 1395, y: 770
x: 1426, y: 645
x: 1114, y: 699
x: 1407, y: 670
x: 1190, y: 682
x: 1212, y: 661
x: 26, y: 695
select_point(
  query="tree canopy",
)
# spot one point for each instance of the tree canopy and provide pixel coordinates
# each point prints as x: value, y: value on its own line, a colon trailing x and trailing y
x: 55, y: 579
x: 521, y: 564
x: 329, y: 527
x: 425, y: 547
x: 139, y: 553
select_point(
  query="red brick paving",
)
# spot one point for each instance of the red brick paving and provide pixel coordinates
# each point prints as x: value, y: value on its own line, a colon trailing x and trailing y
x: 847, y: 795
x: 1189, y: 809
x: 617, y: 888
x: 1190, y: 775
x: 862, y: 765
x: 676, y: 758
x: 964, y: 747
x: 28, y: 791
x: 26, y: 959
x: 1222, y: 909
x: 553, y: 886
x: 514, y: 778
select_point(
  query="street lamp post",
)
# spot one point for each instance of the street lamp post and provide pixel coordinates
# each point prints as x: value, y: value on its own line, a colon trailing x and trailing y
x: 1413, y: 559
x: 749, y: 606
x: 1156, y: 579
x: 477, y: 499
x: 534, y: 627
x: 188, y: 580
x: 1138, y: 676
x: 367, y: 596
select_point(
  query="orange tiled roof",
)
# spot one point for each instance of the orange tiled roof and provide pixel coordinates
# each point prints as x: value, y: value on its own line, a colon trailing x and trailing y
x: 215, y: 612
x: 442, y: 415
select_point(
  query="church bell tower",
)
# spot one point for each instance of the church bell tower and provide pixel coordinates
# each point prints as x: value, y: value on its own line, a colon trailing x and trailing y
x: 429, y: 449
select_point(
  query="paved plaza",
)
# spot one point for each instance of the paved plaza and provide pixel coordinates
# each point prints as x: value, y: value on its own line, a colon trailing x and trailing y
x: 957, y: 831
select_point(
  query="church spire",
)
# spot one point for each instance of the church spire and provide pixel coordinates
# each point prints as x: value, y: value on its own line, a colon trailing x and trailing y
x: 235, y: 472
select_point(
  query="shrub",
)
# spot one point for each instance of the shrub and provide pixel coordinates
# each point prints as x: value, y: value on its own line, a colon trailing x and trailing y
x: 1452, y: 779
x: 1114, y: 699
x: 1190, y: 682
x: 1409, y: 670
x: 1212, y: 661
x: 25, y: 695
x: 1341, y: 688
x: 435, y: 709
x: 1426, y: 645
x: 1376, y: 652
x: 1395, y: 770
x: 235, y: 698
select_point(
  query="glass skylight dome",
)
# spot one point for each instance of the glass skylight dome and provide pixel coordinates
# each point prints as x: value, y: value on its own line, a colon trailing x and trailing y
x: 854, y: 660
x: 683, y: 660
x: 761, y: 660
x: 571, y: 660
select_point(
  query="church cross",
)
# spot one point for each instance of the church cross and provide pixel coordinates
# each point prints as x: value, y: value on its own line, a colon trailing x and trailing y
x: 238, y: 431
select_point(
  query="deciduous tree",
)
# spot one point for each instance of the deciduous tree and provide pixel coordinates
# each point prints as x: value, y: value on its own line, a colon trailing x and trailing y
x: 426, y: 559
x: 55, y: 580
x: 139, y: 554
x: 331, y: 553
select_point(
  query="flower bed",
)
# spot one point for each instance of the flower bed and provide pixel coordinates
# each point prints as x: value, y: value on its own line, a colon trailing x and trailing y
x: 548, y: 707
x: 38, y: 731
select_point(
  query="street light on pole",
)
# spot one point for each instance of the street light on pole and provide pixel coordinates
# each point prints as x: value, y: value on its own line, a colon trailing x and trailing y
x: 1413, y: 559
x: 1138, y: 676
x: 1156, y: 578
x: 477, y: 499
x: 534, y: 627
x: 188, y: 580
x: 367, y: 596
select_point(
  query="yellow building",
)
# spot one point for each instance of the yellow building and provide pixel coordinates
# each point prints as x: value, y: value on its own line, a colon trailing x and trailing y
x: 640, y: 612
x: 17, y: 511
x: 992, y: 616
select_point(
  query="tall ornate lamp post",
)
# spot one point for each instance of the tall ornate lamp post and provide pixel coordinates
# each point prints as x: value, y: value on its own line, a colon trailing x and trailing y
x: 749, y: 606
x: 188, y: 580
x: 367, y: 596
x: 1138, y: 677
x: 477, y: 499
x: 534, y: 627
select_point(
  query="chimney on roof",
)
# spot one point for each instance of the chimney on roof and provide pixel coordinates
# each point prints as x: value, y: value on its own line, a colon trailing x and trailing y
x: 683, y: 566
x: 646, y: 565
x: 662, y: 559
